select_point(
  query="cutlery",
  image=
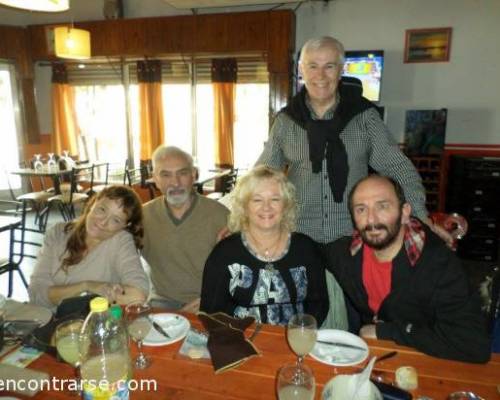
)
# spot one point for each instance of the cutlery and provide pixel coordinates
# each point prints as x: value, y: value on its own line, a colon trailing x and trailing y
x: 386, y: 356
x: 339, y: 344
x: 158, y: 328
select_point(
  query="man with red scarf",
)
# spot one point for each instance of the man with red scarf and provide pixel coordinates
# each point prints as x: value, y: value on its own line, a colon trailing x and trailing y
x: 403, y: 281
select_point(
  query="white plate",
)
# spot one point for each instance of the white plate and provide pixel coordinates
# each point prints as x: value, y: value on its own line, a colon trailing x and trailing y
x: 175, y: 325
x: 15, y: 311
x: 336, y: 355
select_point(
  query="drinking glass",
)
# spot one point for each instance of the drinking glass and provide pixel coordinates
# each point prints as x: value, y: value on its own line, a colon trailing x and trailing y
x: 455, y: 224
x: 301, y: 335
x: 295, y: 381
x: 38, y: 164
x: 138, y: 326
x: 67, y: 344
x: 51, y: 163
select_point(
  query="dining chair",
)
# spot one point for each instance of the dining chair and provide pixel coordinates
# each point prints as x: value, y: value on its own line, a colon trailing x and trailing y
x: 37, y: 194
x: 15, y: 224
x: 81, y: 176
x: 225, y: 185
x: 101, y: 175
x: 136, y: 176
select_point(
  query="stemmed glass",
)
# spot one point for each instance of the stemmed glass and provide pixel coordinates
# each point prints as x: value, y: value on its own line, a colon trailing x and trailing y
x: 37, y: 164
x: 67, y: 343
x: 295, y: 382
x: 301, y: 335
x: 138, y: 326
x: 51, y: 163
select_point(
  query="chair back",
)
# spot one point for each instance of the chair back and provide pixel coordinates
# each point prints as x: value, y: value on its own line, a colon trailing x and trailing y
x: 101, y: 173
x: 137, y: 176
x: 81, y: 175
x: 229, y: 181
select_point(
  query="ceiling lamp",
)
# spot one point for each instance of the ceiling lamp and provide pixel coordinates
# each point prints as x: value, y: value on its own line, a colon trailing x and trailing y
x: 72, y: 43
x: 38, y: 5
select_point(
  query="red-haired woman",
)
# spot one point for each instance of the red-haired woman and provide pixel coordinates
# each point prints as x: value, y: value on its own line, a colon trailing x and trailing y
x: 96, y: 253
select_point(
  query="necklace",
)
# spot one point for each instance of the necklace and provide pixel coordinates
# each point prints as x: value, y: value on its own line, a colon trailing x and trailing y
x: 266, y: 253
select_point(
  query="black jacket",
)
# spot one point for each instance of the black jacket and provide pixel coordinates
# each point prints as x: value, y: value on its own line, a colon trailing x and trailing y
x: 430, y: 306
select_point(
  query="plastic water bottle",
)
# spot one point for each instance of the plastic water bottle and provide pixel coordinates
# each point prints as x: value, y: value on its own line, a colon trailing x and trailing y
x: 104, y: 355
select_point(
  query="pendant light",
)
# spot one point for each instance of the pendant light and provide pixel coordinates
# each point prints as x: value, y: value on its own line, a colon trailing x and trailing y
x: 72, y: 43
x: 38, y: 5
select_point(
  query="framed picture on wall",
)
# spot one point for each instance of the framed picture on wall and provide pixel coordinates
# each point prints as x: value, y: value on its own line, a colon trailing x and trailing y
x: 425, y: 131
x: 427, y: 45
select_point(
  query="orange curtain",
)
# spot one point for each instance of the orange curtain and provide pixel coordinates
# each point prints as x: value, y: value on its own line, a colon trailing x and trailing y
x: 65, y: 135
x: 224, y: 72
x: 150, y: 106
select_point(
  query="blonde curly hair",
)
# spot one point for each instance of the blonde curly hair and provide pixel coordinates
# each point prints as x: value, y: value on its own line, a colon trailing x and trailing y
x: 245, y: 187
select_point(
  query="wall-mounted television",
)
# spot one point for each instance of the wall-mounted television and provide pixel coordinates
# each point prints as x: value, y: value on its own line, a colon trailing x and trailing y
x: 367, y: 66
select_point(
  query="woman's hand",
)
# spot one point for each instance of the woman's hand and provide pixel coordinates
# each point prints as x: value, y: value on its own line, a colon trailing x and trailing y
x: 192, y: 307
x: 104, y: 289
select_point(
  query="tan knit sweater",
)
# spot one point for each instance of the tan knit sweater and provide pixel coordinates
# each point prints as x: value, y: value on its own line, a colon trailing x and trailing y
x: 177, y: 253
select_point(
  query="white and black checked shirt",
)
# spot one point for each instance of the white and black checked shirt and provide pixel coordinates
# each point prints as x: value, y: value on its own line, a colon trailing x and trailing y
x: 367, y: 142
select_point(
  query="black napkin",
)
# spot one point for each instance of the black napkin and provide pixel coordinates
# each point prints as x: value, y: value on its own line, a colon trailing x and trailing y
x: 227, y: 344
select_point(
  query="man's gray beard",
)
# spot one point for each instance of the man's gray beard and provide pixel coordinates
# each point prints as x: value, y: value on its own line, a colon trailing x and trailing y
x: 178, y: 199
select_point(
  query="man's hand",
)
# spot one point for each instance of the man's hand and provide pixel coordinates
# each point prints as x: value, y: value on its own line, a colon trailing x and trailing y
x: 442, y: 233
x: 223, y: 233
x: 368, y: 332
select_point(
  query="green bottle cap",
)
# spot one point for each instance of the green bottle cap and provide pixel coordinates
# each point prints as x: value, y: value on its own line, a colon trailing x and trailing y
x: 116, y: 312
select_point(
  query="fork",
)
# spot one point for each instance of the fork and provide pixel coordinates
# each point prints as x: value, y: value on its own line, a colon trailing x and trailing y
x: 258, y: 327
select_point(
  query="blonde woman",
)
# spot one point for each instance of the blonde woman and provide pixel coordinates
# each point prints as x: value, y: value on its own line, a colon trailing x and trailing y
x: 264, y: 269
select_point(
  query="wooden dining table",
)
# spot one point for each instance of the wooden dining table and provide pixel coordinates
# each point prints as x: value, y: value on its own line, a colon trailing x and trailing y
x: 178, y: 377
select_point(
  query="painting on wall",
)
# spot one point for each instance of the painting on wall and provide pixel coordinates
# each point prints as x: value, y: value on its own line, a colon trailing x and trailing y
x: 425, y: 131
x: 427, y: 45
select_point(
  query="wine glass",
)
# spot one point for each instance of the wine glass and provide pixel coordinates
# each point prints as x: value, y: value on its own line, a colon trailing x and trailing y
x: 138, y: 326
x: 67, y: 343
x: 51, y: 163
x: 295, y: 381
x: 455, y: 224
x: 38, y: 164
x: 301, y: 335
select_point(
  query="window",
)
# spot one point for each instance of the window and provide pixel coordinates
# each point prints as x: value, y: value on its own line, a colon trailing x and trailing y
x: 9, y: 151
x: 101, y: 117
x: 101, y: 109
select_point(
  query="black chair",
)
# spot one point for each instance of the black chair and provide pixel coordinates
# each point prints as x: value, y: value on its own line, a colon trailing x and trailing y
x: 14, y: 221
x: 225, y: 185
x: 68, y: 199
x: 136, y: 176
x: 101, y: 176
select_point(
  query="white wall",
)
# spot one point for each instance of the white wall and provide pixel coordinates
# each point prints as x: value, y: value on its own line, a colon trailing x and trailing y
x: 468, y: 85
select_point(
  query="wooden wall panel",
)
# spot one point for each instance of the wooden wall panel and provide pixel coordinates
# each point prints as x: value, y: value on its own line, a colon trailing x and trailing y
x: 281, y: 43
x: 268, y: 31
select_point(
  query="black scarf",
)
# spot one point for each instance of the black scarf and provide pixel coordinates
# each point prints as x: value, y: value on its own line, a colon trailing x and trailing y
x: 326, y: 133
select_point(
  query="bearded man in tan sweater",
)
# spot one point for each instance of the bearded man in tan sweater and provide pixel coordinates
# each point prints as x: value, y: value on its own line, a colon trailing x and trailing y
x: 180, y: 230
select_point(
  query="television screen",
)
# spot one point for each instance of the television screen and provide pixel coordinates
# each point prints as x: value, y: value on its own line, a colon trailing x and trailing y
x: 367, y: 66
